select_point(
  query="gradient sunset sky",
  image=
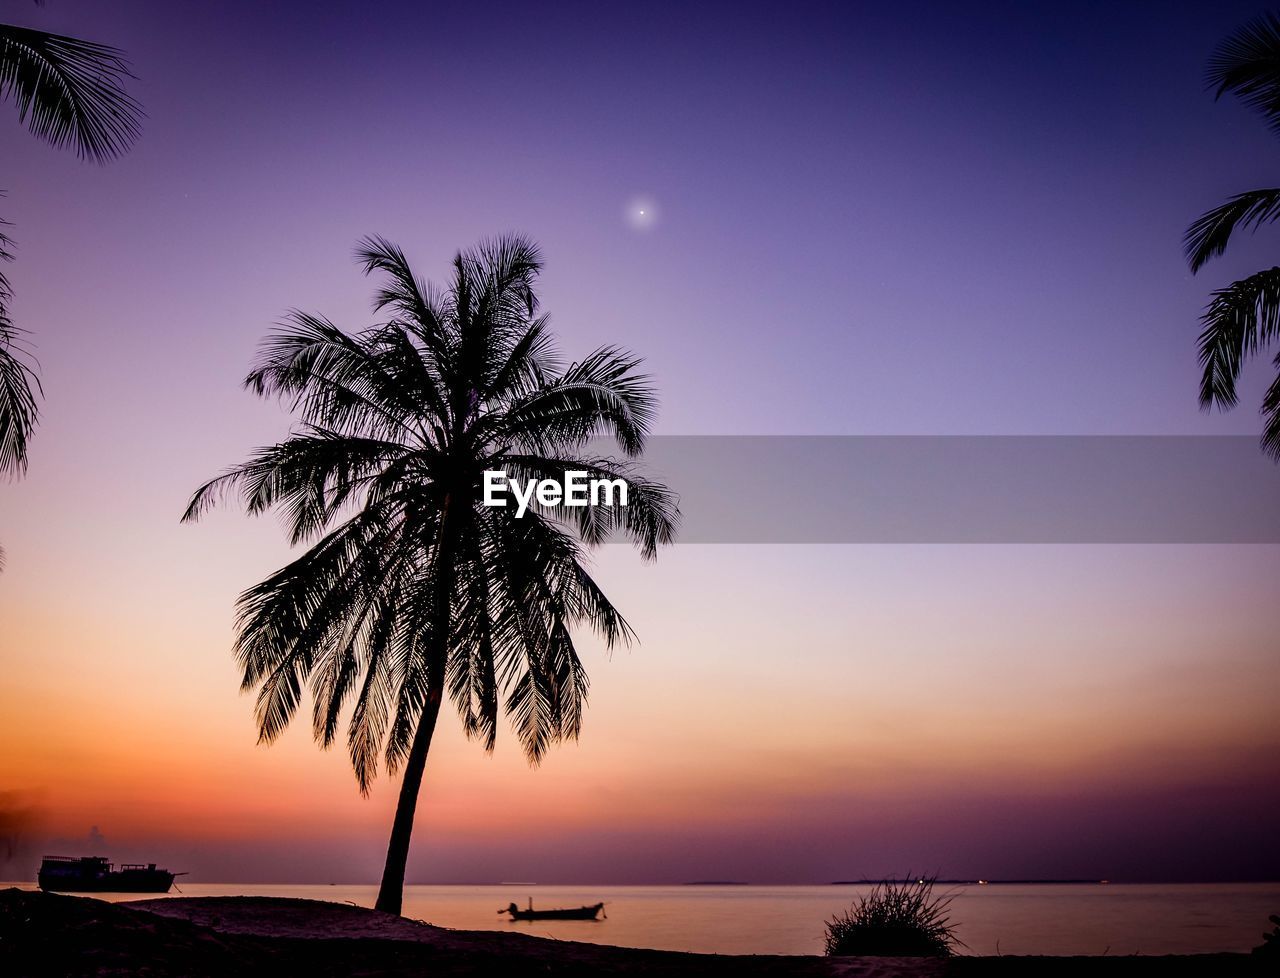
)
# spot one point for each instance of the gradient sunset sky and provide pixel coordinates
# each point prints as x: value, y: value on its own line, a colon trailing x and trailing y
x: 871, y: 219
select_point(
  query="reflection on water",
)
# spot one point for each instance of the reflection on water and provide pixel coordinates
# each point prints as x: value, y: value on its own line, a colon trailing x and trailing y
x: 1012, y: 919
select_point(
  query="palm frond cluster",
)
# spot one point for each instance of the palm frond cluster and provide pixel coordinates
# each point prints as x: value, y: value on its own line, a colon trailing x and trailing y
x: 69, y: 92
x: 410, y: 588
x: 19, y: 385
x: 1242, y: 319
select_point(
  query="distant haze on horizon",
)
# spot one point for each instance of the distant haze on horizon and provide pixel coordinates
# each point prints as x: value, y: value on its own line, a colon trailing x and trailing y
x: 866, y: 219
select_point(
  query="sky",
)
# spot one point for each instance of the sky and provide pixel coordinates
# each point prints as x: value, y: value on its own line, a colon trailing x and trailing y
x: 867, y: 219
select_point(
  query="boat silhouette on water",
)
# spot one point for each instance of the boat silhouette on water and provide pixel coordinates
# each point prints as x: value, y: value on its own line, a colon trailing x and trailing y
x: 94, y: 874
x: 567, y: 913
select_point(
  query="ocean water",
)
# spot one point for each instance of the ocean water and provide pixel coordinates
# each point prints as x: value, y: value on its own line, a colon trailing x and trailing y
x: 997, y: 918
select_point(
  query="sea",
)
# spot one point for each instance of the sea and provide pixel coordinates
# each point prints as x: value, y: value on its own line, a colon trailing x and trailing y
x: 997, y: 918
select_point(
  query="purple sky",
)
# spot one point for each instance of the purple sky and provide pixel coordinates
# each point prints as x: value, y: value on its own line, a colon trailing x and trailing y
x: 871, y: 219
x: 923, y: 220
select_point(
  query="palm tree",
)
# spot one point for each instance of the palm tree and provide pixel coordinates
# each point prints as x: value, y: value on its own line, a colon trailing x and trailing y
x: 411, y: 588
x: 70, y: 93
x: 1245, y: 316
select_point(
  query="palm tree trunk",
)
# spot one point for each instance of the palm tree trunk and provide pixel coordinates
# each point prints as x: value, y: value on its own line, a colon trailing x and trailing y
x: 391, y: 892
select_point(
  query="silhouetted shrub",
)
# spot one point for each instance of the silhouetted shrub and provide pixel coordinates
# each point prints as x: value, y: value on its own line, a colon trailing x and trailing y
x: 895, y: 920
x: 1270, y: 946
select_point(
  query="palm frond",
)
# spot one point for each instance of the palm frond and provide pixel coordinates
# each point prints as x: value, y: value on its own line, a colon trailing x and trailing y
x: 69, y: 92
x: 507, y: 269
x: 471, y: 667
x: 601, y: 394
x: 421, y: 676
x: 369, y: 718
x: 306, y: 604
x: 403, y: 292
x: 313, y: 476
x: 1209, y: 235
x: 651, y: 517
x: 1238, y: 321
x: 333, y: 379
x: 19, y: 383
x: 5, y: 254
x: 1271, y: 415
x: 530, y: 362
x: 1247, y: 64
x: 19, y: 389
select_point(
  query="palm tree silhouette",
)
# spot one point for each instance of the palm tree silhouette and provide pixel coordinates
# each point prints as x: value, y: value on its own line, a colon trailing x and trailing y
x: 411, y: 588
x: 71, y: 94
x: 1244, y: 316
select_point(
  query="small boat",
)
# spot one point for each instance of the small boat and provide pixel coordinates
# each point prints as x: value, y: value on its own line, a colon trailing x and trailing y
x: 94, y: 874
x: 568, y: 913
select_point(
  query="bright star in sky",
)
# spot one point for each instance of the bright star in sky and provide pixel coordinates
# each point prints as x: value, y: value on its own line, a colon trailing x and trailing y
x: 642, y: 213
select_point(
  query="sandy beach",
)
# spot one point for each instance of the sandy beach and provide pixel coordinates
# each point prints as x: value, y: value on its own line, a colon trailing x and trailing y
x: 47, y: 934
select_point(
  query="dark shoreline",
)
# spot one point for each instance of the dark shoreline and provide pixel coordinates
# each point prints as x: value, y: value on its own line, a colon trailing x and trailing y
x: 238, y: 937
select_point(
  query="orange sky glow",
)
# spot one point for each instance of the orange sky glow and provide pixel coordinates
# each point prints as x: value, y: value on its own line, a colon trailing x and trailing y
x: 875, y: 724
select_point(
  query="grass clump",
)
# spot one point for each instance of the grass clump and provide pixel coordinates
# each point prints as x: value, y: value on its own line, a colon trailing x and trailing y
x: 1270, y: 946
x: 895, y: 920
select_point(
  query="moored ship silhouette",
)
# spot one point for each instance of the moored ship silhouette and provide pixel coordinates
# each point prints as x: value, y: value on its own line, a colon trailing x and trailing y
x: 95, y: 874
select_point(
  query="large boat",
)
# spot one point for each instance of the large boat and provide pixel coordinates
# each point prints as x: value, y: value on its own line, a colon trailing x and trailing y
x: 570, y: 913
x: 94, y: 874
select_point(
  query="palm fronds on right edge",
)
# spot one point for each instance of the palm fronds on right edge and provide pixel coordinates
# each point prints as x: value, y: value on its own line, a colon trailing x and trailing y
x: 1247, y: 64
x: 1209, y: 235
x: 1245, y: 316
x: 1240, y: 320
